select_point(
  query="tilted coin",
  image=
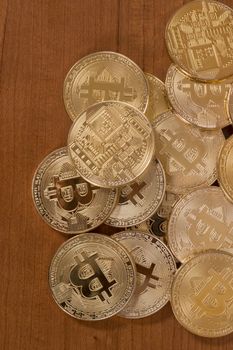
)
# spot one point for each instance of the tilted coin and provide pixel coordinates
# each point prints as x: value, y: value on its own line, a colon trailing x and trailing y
x: 158, y: 100
x: 66, y: 201
x: 92, y: 277
x: 202, y: 294
x: 201, y: 220
x: 104, y: 76
x: 187, y: 153
x: 155, y: 269
x: 199, y: 103
x: 199, y: 39
x: 111, y: 144
x: 225, y: 168
x: 138, y: 201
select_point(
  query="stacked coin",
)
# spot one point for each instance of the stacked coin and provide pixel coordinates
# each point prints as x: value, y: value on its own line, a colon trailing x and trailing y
x: 142, y: 157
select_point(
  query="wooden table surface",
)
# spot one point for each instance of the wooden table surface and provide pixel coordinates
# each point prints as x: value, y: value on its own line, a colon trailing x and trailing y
x: 39, y: 41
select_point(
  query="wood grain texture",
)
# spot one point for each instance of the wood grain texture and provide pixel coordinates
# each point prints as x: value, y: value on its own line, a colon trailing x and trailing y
x: 39, y: 41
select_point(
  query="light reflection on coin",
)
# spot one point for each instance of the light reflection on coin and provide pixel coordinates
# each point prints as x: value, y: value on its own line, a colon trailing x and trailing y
x: 158, y: 100
x: 201, y: 220
x: 65, y: 200
x: 155, y: 269
x: 230, y: 104
x: 199, y: 103
x: 202, y: 294
x: 139, y: 200
x: 92, y: 277
x: 111, y: 144
x: 104, y: 76
x: 188, y: 154
x: 225, y: 168
x: 199, y: 39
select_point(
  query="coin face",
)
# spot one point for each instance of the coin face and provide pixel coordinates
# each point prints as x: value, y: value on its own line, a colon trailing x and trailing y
x: 188, y: 154
x: 201, y: 220
x: 225, y: 168
x: 111, y: 144
x: 158, y: 100
x: 199, y: 103
x: 199, y: 38
x: 202, y: 294
x: 155, y: 269
x: 138, y: 201
x: 66, y: 201
x: 92, y: 277
x: 104, y: 76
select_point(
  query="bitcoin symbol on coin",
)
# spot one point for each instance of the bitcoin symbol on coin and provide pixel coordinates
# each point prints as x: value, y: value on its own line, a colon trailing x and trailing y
x: 184, y: 148
x: 148, y: 274
x: 89, y: 278
x: 215, y: 294
x: 128, y: 193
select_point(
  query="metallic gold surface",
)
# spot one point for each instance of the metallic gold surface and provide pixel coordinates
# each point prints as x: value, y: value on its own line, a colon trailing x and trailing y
x: 187, y: 153
x: 199, y: 103
x: 138, y: 201
x: 158, y: 100
x: 92, y: 277
x: 111, y: 144
x: 199, y: 39
x: 201, y: 220
x: 202, y: 294
x: 230, y: 104
x: 155, y: 269
x: 104, y: 76
x: 225, y: 168
x: 65, y: 200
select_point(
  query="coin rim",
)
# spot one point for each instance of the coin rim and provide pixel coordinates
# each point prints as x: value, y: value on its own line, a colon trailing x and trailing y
x: 143, y: 233
x: 183, y: 266
x: 71, y: 114
x: 181, y: 66
x: 221, y: 168
x: 151, y: 149
x: 43, y: 162
x: 93, y: 234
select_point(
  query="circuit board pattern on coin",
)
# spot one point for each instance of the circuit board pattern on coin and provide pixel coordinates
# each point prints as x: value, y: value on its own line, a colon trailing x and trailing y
x: 199, y: 39
x: 139, y: 200
x: 202, y: 294
x: 92, y: 277
x: 158, y: 100
x: 155, y: 267
x: 104, y: 76
x: 201, y: 220
x: 187, y: 153
x: 66, y: 201
x: 202, y: 104
x: 111, y: 144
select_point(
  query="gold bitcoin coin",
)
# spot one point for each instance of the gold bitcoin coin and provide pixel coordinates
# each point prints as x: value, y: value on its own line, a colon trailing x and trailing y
x: 187, y: 153
x: 225, y: 168
x: 167, y: 204
x: 65, y: 200
x: 201, y: 220
x: 202, y: 294
x: 92, y: 277
x: 158, y: 101
x: 155, y: 270
x: 138, y: 201
x: 111, y: 144
x: 199, y: 39
x: 103, y: 76
x: 199, y: 103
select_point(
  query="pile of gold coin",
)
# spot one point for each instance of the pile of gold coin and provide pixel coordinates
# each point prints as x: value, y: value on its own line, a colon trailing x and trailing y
x: 142, y: 157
